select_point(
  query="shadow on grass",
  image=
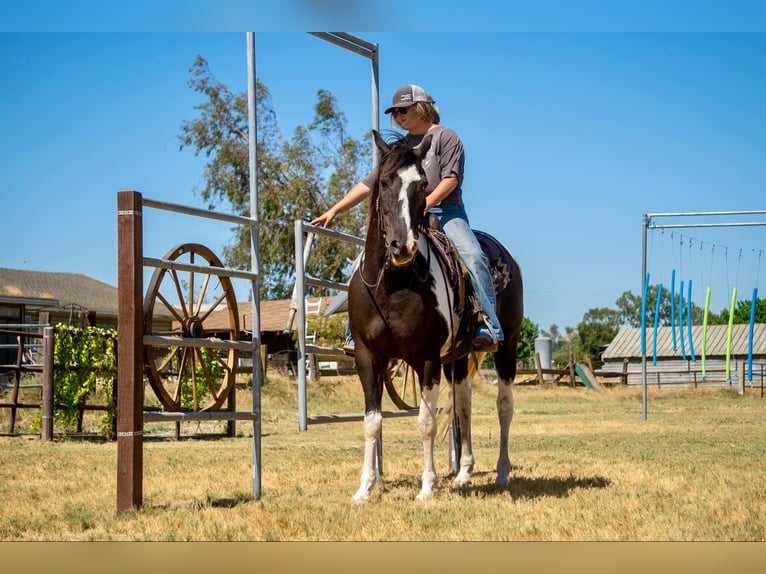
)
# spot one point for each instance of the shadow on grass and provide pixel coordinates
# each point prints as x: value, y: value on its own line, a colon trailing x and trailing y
x: 519, y: 487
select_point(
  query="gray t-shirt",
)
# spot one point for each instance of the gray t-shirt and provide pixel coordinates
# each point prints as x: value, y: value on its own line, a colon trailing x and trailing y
x: 445, y: 158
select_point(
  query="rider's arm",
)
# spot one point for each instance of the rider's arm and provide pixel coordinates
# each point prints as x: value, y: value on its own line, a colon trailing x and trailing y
x: 355, y: 195
x: 441, y: 191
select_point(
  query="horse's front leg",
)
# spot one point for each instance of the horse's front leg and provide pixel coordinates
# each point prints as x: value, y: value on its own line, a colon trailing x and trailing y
x: 429, y: 395
x: 371, y: 375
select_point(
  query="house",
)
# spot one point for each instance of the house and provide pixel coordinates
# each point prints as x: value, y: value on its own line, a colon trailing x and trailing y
x: 44, y: 298
x: 683, y: 362
x: 276, y: 334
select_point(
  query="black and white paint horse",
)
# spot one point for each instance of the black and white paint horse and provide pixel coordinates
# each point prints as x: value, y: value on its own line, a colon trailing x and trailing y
x: 401, y: 306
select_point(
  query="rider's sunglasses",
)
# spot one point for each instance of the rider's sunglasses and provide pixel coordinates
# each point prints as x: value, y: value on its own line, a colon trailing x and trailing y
x: 401, y: 111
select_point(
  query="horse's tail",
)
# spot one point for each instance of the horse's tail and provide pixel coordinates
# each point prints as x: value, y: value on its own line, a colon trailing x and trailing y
x: 446, y: 414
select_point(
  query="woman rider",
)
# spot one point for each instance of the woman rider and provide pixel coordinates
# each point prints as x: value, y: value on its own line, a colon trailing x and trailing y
x: 413, y: 110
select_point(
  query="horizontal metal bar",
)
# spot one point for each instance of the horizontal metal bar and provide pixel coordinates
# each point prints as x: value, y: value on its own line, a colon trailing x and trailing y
x: 325, y: 419
x: 690, y: 225
x: 349, y: 42
x: 207, y: 213
x: 160, y: 341
x: 209, y: 269
x: 200, y: 416
x: 324, y: 351
x: 331, y: 233
x: 708, y: 213
x: 316, y: 282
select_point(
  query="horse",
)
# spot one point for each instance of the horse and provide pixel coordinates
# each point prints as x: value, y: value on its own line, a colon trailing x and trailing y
x: 401, y: 305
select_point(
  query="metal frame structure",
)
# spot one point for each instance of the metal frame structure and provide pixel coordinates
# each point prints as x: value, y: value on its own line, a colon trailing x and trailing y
x: 130, y: 386
x: 649, y: 223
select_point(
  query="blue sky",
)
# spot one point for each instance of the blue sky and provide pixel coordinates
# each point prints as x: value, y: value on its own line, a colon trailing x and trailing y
x: 570, y: 139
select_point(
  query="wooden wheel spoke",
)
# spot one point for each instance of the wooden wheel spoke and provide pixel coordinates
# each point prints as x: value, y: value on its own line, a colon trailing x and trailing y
x: 219, y: 359
x: 180, y: 376
x: 169, y: 307
x: 164, y: 364
x: 206, y: 373
x: 179, y: 292
x: 211, y: 372
x: 213, y: 306
x: 202, y: 292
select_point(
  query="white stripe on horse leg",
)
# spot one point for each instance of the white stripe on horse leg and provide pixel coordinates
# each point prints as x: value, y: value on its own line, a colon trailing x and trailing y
x: 373, y: 421
x: 427, y: 426
x: 462, y: 393
x: 504, y: 415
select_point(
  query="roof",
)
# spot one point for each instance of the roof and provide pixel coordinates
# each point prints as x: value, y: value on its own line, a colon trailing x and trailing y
x: 56, y: 290
x: 627, y: 343
x: 274, y: 315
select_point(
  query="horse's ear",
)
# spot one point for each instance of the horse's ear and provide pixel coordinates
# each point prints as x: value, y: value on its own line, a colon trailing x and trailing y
x: 380, y: 142
x: 424, y: 146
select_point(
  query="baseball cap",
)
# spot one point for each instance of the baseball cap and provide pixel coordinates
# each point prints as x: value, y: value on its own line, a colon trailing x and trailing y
x: 408, y: 95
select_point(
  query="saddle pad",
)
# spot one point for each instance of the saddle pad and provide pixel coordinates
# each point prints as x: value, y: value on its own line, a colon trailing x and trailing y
x: 499, y: 258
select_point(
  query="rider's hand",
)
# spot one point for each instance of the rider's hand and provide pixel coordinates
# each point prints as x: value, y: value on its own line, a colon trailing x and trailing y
x: 324, y: 219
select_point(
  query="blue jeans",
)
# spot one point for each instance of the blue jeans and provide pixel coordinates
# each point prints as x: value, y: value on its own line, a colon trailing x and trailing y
x: 454, y: 222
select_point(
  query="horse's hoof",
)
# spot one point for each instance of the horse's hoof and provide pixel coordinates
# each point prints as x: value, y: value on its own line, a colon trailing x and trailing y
x: 461, y: 484
x: 360, y: 498
x: 501, y: 481
x: 423, y: 496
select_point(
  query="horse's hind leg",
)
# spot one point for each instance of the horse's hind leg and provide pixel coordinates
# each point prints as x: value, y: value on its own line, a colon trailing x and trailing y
x: 462, y: 394
x: 505, y: 362
x: 429, y: 396
x: 462, y: 404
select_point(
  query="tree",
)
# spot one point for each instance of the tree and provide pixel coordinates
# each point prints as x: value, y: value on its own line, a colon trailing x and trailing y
x: 742, y: 311
x: 297, y: 179
x: 525, y: 350
x: 597, y: 328
x: 629, y: 308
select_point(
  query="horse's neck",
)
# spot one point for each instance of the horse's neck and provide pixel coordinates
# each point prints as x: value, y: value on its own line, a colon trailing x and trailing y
x: 374, y: 249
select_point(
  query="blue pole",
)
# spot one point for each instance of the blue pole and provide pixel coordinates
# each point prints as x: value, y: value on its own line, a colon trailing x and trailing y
x: 643, y: 316
x: 681, y: 319
x: 656, y: 322
x: 673, y: 307
x: 750, y: 339
x: 689, y: 321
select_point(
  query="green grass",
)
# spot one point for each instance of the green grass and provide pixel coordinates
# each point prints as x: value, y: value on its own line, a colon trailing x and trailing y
x: 586, y: 467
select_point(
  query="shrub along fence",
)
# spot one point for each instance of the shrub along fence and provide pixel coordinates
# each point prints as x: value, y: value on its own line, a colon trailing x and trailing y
x: 75, y: 362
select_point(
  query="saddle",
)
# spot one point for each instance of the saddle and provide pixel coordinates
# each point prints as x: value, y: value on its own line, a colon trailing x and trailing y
x: 466, y: 305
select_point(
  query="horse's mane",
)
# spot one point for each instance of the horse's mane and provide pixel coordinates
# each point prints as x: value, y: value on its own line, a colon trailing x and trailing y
x: 400, y: 153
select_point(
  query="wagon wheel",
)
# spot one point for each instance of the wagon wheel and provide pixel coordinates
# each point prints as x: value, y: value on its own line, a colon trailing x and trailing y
x: 402, y: 382
x: 402, y: 385
x: 190, y: 378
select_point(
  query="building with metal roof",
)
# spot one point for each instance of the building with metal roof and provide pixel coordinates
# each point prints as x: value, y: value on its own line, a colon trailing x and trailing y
x: 675, y: 356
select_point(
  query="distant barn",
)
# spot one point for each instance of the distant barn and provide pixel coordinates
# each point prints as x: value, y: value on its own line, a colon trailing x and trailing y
x: 677, y: 364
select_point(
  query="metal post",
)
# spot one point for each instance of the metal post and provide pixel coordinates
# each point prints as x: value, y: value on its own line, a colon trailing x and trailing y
x: 252, y: 125
x: 46, y: 428
x: 301, y: 331
x: 130, y: 383
x: 643, y: 331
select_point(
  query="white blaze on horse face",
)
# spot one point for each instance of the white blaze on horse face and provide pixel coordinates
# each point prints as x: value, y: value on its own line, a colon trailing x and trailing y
x: 408, y: 176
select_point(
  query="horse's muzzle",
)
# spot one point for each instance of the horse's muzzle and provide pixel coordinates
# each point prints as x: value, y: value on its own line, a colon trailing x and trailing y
x: 403, y: 254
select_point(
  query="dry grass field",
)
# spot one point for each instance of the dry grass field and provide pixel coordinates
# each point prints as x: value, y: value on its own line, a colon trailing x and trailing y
x: 587, y: 467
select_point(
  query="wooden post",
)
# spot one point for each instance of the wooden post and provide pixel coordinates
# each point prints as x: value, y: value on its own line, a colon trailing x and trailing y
x: 46, y: 427
x: 539, y: 367
x: 130, y: 455
x: 571, y: 367
x: 625, y: 371
x: 741, y: 372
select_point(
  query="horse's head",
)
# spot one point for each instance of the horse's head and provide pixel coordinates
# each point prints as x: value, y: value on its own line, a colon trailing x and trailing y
x: 401, y: 197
